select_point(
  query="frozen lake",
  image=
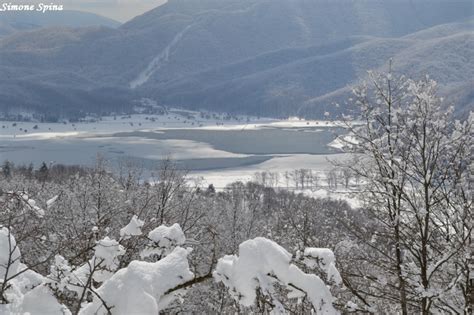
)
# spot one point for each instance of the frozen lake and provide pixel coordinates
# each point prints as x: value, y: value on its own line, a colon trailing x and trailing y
x: 211, y: 150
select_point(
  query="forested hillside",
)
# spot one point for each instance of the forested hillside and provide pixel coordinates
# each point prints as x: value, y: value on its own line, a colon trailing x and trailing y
x: 273, y: 58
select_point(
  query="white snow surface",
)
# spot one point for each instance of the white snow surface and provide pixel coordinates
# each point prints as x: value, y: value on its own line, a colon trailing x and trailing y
x: 346, y: 141
x: 318, y: 164
x: 163, y: 240
x: 262, y: 262
x: 39, y: 301
x: 140, y: 288
x: 106, y: 254
x: 31, y: 204
x: 103, y: 265
x: 27, y: 293
x: 9, y: 254
x: 282, y: 163
x: 324, y: 259
x: 51, y: 201
x: 164, y: 236
x: 133, y: 228
x: 175, y: 119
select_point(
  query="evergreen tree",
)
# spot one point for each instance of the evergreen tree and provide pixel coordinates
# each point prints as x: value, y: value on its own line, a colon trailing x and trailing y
x: 7, y: 169
x: 43, y: 172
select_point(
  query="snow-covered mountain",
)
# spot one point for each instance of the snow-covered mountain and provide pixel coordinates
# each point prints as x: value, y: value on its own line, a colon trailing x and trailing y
x: 272, y: 57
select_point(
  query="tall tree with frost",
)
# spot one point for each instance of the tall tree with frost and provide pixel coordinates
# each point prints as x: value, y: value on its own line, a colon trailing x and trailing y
x: 413, y: 158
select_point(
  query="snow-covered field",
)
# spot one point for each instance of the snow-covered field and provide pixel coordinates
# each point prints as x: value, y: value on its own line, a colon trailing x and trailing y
x: 281, y: 165
x: 110, y: 124
x: 178, y: 120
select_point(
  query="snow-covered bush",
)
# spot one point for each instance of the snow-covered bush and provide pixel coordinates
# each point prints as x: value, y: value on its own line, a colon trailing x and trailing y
x: 133, y: 228
x: 149, y: 287
x: 23, y: 290
x: 18, y: 211
x: 9, y: 254
x: 260, y: 265
x: 97, y: 230
x: 142, y: 287
x: 324, y: 260
x: 163, y: 240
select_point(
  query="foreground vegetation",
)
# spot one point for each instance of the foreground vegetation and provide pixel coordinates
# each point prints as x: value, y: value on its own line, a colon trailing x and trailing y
x: 407, y: 250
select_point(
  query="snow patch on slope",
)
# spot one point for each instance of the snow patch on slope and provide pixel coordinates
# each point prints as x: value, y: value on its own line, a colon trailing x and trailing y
x: 158, y: 61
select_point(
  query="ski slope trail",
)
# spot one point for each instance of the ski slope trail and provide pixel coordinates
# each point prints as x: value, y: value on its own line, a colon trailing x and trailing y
x: 161, y: 59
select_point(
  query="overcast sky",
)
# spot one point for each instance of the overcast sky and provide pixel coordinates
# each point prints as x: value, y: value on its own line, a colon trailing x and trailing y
x: 120, y: 10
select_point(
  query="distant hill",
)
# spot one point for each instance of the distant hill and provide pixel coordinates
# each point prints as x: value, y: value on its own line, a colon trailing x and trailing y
x: 11, y: 22
x: 266, y: 57
x: 308, y: 81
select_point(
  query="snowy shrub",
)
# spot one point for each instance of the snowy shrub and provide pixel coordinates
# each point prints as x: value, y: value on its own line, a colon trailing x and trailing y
x: 150, y: 287
x: 9, y: 254
x: 23, y: 290
x: 323, y: 259
x: 260, y: 265
x: 133, y: 228
x: 163, y: 240
x: 141, y: 287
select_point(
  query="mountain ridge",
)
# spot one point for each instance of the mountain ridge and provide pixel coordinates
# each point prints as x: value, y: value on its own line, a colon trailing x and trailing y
x: 263, y: 57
